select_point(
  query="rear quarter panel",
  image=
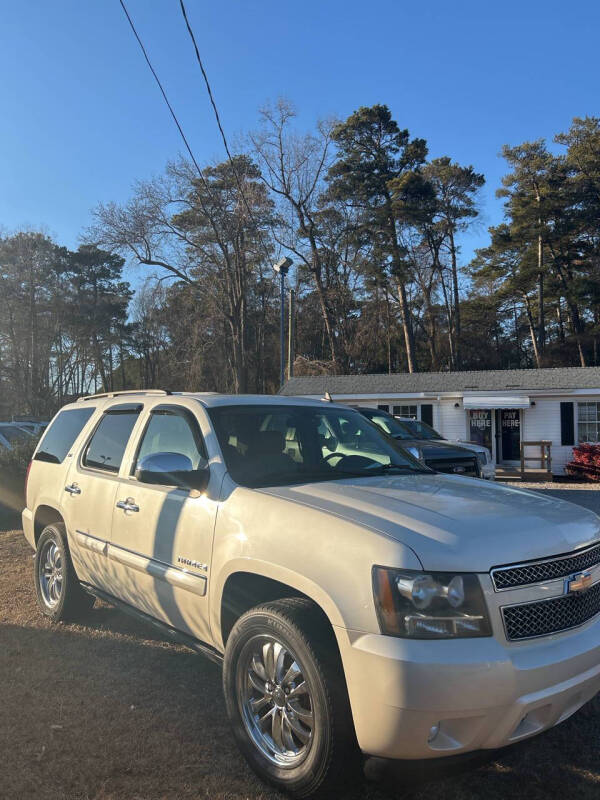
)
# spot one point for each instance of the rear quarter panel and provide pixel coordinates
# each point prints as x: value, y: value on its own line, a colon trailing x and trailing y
x: 46, y: 482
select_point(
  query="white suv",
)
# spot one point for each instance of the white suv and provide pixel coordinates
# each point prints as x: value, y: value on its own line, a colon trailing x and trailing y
x: 359, y: 601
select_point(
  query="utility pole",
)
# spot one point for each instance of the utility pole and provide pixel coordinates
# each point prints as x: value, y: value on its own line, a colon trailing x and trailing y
x: 291, y: 334
x: 281, y: 268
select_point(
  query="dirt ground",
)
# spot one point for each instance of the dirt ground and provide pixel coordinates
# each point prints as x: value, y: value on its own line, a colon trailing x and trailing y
x: 110, y: 711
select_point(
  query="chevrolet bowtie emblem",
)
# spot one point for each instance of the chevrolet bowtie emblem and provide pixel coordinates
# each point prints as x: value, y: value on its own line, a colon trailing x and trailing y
x: 578, y: 583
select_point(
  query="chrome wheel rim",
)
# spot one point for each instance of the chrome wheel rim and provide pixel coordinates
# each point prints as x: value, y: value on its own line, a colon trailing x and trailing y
x: 275, y: 700
x: 50, y: 573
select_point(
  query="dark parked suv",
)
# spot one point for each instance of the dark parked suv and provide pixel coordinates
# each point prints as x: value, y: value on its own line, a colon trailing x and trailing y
x: 436, y: 455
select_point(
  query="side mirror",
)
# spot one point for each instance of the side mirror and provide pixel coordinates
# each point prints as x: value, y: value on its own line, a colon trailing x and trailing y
x: 172, y: 469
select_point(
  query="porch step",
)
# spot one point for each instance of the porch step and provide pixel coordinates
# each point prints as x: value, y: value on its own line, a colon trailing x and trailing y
x: 515, y: 474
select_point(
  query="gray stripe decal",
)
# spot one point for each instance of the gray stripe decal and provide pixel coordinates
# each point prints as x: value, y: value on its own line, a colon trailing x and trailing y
x: 151, y: 566
x: 171, y: 575
x: 91, y: 543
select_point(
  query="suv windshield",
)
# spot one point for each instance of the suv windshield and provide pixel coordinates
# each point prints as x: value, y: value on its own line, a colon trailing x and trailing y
x: 387, y: 423
x: 280, y: 445
x: 421, y: 430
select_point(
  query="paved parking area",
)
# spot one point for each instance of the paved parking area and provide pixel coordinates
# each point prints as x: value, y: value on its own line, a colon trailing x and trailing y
x: 584, y: 494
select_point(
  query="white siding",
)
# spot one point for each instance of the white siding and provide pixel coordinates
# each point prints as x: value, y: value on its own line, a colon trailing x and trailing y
x: 541, y: 421
x: 385, y: 401
x: 449, y: 421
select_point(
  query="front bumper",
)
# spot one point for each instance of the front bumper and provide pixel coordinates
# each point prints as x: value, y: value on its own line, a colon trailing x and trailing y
x: 416, y: 699
x: 488, y: 471
x: 468, y: 467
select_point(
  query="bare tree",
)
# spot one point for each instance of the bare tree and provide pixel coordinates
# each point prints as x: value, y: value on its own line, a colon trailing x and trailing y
x: 293, y: 167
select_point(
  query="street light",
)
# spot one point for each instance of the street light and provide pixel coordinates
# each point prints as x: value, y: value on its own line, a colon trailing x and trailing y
x: 282, y: 267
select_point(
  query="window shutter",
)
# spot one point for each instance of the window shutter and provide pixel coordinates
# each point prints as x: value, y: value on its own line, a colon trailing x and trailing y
x: 427, y: 413
x: 567, y: 424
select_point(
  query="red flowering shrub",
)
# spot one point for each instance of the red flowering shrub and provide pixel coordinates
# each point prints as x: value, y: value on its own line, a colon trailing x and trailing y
x: 585, y: 463
x: 586, y: 453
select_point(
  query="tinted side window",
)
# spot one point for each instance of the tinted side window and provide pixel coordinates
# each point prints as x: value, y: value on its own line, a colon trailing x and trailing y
x: 171, y: 433
x: 61, y: 434
x: 107, y: 445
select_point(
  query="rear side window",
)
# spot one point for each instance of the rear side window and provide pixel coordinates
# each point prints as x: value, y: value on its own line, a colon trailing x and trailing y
x: 107, y: 445
x: 61, y: 434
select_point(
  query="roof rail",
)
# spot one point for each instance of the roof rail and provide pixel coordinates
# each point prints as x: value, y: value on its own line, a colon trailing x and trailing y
x: 161, y: 392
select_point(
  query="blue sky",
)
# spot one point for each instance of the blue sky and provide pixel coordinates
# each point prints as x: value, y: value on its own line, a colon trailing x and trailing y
x: 81, y: 118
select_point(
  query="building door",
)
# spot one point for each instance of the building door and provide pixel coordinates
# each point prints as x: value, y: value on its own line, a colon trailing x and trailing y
x: 510, y: 434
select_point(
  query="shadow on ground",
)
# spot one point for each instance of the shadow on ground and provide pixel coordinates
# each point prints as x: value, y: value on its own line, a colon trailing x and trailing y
x: 89, y: 712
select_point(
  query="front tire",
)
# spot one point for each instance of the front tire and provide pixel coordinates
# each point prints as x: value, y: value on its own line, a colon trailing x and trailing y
x: 60, y: 596
x: 287, y: 700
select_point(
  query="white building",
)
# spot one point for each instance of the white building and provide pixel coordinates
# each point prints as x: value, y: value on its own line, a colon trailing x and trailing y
x: 497, y: 408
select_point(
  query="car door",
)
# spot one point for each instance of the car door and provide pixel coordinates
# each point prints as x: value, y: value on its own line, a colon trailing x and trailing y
x: 89, y: 493
x: 161, y: 539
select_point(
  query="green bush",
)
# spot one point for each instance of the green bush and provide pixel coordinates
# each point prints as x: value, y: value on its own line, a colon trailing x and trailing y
x: 15, y: 461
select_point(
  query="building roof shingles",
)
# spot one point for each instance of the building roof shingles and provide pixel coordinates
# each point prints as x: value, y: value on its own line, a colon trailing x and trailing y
x: 475, y: 381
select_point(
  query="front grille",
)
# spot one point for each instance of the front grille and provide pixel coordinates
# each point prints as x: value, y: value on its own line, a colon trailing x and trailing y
x: 469, y: 466
x: 537, y: 572
x: 551, y: 616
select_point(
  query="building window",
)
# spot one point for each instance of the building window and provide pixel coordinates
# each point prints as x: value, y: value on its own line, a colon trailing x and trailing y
x: 588, y: 422
x: 480, y: 427
x: 405, y: 411
x: 383, y: 408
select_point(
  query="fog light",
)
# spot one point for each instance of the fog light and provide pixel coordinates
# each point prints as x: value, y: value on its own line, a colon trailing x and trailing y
x: 435, y: 729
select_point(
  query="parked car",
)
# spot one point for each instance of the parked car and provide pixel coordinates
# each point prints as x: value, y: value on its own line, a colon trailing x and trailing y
x: 34, y: 428
x: 11, y: 435
x: 358, y: 601
x: 442, y: 457
x: 421, y: 430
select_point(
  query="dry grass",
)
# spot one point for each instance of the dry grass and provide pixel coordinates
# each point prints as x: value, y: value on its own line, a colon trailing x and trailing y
x: 109, y: 711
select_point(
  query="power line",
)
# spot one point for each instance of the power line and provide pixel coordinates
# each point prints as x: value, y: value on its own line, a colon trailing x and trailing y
x: 205, y: 183
x: 164, y: 94
x: 223, y: 137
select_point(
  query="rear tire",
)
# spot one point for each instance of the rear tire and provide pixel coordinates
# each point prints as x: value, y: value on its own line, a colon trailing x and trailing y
x: 287, y: 700
x: 60, y: 596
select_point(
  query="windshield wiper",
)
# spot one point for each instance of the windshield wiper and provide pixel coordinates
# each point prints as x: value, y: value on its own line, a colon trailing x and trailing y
x: 308, y: 476
x: 380, y: 470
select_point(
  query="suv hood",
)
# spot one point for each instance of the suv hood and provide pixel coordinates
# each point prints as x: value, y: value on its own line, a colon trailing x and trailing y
x: 433, y: 450
x: 474, y: 448
x: 453, y: 523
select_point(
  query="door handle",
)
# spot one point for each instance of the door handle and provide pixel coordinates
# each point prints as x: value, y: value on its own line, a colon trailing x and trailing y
x: 73, y: 488
x: 128, y: 505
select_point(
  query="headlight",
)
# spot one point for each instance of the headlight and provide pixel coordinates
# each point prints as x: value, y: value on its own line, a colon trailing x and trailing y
x: 433, y: 605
